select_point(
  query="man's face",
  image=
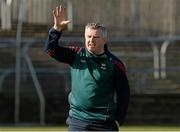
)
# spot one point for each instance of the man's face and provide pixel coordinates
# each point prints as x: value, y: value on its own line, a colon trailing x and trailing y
x: 94, y: 41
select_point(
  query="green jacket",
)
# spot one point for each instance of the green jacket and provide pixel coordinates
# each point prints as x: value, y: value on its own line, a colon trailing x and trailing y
x: 99, y: 86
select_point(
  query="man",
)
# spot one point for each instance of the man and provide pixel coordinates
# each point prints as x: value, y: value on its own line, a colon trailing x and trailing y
x: 100, y: 92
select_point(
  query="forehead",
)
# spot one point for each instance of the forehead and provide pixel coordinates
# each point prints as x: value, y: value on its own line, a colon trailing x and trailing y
x: 92, y: 31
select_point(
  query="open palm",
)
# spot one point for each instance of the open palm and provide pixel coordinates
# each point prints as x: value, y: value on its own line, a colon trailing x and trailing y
x: 60, y: 17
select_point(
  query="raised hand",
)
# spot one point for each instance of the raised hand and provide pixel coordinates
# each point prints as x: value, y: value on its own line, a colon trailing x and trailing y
x: 60, y: 17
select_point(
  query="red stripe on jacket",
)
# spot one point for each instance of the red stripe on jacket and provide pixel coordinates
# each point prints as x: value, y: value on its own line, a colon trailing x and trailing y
x: 51, y: 52
x: 120, y: 65
x: 76, y: 49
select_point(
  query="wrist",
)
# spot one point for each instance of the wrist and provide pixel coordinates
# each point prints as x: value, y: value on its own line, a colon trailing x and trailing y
x: 57, y: 28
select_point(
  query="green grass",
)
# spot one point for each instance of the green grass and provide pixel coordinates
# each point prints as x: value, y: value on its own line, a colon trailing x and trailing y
x: 150, y: 128
x: 64, y: 128
x: 33, y: 128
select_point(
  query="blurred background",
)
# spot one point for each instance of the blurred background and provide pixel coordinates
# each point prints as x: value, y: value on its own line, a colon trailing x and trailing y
x: 144, y: 34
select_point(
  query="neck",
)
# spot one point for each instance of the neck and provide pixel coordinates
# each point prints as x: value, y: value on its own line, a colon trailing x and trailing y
x: 97, y: 53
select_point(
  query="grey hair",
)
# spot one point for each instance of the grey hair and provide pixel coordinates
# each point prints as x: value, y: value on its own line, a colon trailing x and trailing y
x: 97, y: 26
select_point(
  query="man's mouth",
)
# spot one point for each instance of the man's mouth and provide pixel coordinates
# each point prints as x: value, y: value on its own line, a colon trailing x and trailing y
x: 91, y: 45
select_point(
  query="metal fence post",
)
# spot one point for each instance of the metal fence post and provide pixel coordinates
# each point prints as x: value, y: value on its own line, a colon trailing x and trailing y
x: 163, y: 58
x: 18, y: 62
x: 156, y: 61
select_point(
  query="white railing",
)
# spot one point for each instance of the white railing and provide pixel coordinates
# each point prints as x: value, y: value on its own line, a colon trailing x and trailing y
x: 158, y: 50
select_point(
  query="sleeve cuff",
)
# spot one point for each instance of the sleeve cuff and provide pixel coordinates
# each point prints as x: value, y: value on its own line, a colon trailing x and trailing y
x: 54, y: 31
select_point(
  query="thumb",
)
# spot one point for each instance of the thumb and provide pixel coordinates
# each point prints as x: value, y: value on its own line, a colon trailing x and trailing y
x: 66, y: 22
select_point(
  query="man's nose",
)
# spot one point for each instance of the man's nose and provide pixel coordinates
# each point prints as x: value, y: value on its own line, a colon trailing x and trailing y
x: 92, y: 39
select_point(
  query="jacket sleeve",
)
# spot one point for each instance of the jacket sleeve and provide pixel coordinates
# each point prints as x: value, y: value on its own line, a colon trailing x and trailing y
x: 62, y: 54
x: 122, y: 91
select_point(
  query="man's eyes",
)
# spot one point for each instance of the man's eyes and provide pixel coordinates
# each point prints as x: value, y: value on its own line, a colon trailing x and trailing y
x: 93, y: 36
x: 96, y: 36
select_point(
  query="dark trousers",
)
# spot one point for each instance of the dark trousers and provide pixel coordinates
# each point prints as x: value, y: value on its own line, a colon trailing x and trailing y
x: 90, y: 125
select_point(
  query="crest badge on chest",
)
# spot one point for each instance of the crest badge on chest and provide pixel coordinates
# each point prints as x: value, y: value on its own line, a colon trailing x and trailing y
x: 103, y: 66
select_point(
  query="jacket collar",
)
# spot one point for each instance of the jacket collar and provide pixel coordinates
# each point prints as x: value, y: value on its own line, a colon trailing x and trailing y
x: 89, y: 54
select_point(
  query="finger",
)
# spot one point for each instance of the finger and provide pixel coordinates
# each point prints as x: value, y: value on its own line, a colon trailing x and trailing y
x: 60, y: 8
x: 54, y: 13
x: 57, y: 11
x: 66, y: 22
x: 64, y: 9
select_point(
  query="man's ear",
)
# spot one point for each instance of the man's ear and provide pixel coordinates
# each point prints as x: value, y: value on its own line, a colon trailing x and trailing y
x: 105, y: 40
